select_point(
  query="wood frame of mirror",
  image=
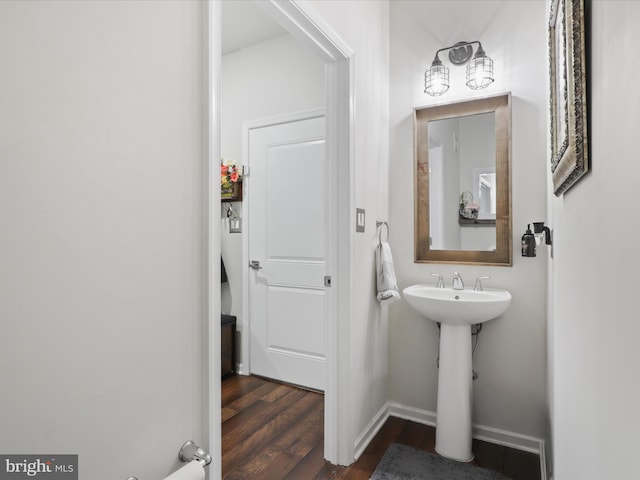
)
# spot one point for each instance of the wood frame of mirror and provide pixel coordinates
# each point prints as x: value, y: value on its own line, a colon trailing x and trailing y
x: 503, y: 255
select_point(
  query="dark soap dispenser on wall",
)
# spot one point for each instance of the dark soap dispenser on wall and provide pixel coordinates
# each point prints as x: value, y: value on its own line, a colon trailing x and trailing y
x: 528, y: 243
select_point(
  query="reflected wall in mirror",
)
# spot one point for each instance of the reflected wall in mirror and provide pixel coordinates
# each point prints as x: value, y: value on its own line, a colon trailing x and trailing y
x: 463, y: 182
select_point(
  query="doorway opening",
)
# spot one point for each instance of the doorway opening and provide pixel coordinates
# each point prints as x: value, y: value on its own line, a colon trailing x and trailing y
x: 338, y: 445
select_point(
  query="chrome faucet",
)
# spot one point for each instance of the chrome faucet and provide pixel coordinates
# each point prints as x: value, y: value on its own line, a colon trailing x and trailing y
x: 440, y: 283
x: 478, y: 287
x: 457, y: 281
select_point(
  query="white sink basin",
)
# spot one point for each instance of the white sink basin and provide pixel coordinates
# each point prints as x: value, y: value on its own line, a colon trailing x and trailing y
x: 456, y: 310
x: 457, y: 307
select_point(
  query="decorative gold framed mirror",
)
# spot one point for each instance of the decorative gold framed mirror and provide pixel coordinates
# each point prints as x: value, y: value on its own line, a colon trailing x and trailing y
x: 462, y: 174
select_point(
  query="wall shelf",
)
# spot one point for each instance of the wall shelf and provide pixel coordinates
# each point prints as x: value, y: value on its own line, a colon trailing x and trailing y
x: 476, y: 222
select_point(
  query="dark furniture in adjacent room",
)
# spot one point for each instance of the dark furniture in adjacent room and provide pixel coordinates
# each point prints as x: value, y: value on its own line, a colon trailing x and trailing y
x: 228, y: 344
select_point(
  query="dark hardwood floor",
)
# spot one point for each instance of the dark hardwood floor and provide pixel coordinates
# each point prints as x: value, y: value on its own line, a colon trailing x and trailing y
x: 272, y: 431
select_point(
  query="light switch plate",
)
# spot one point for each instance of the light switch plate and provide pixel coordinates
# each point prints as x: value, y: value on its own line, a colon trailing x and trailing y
x: 235, y: 225
x: 360, y: 220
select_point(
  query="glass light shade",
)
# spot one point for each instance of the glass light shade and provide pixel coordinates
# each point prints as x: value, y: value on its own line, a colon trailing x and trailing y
x: 539, y: 237
x: 479, y: 71
x: 436, y: 78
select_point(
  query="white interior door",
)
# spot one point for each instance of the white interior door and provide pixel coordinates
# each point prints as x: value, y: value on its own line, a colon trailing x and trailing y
x: 287, y: 250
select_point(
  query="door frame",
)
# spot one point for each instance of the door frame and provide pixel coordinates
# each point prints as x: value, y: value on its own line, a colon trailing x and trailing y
x: 247, y: 127
x: 311, y: 31
x: 436, y: 213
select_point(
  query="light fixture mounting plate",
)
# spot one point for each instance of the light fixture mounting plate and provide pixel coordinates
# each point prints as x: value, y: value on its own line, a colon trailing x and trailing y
x: 460, y: 53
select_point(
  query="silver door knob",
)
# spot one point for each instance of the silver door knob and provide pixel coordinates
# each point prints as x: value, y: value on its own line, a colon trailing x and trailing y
x: 255, y: 264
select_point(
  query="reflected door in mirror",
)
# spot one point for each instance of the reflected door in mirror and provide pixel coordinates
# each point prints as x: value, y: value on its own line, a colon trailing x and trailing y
x: 463, y: 148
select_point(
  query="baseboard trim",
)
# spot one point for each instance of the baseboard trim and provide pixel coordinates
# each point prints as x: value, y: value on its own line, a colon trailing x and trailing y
x: 417, y: 415
x: 370, y: 431
x: 497, y: 436
x: 543, y: 460
x: 480, y: 432
x: 240, y: 370
x: 508, y: 439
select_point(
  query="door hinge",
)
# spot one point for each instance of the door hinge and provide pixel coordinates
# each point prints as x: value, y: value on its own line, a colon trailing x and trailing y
x: 327, y: 280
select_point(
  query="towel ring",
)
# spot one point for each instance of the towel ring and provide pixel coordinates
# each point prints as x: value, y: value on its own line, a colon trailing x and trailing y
x: 379, y: 225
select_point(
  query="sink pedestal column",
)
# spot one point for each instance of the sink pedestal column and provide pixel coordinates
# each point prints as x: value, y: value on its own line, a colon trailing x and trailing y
x: 453, y: 425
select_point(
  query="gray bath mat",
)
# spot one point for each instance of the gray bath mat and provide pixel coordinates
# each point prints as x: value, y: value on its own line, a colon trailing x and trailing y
x: 401, y: 462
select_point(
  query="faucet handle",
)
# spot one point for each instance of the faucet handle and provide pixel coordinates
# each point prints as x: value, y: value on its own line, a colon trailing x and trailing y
x: 440, y: 283
x: 458, y: 284
x: 478, y: 286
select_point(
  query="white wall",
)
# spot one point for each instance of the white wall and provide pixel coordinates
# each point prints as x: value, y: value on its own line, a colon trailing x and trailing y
x: 101, y: 285
x: 594, y: 354
x: 363, y: 25
x: 268, y: 79
x: 510, y: 391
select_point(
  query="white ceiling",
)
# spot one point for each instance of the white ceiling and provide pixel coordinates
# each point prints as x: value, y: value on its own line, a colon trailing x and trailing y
x: 244, y: 24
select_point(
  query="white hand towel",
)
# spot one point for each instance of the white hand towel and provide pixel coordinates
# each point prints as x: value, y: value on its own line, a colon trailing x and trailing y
x: 386, y: 275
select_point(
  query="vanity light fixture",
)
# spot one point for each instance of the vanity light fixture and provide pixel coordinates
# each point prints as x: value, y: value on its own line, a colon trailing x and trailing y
x: 542, y: 232
x: 530, y: 240
x: 479, y: 68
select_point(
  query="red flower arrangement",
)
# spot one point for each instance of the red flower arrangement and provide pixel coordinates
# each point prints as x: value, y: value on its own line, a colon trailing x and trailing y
x: 229, y: 173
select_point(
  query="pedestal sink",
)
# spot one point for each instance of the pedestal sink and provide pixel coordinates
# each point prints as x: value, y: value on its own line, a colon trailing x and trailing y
x: 456, y: 311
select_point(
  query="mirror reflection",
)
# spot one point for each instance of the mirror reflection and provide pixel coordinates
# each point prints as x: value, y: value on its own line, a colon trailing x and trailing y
x: 462, y: 186
x: 463, y: 182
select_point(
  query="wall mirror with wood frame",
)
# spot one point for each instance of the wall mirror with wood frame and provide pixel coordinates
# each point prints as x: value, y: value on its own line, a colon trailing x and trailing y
x: 462, y: 174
